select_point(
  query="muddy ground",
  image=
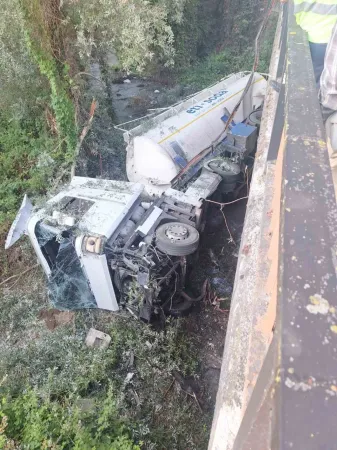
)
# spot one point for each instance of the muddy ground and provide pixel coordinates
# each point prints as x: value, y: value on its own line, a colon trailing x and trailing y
x: 136, y: 97
x: 217, y: 263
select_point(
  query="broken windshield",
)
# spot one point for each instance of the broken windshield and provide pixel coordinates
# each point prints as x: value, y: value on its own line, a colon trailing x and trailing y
x: 67, y: 285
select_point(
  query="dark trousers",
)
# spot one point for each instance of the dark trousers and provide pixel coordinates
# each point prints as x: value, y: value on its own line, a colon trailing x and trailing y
x: 317, y: 56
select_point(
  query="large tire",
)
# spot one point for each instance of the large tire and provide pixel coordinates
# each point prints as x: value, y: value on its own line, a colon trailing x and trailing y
x: 255, y: 118
x: 177, y: 239
x: 230, y: 174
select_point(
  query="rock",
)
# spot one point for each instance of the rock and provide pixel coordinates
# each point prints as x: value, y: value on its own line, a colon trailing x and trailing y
x: 127, y: 81
x: 132, y: 359
x: 148, y: 344
x: 128, y: 377
x: 98, y: 339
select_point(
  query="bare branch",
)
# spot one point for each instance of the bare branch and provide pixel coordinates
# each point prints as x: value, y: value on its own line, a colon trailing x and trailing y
x: 19, y: 274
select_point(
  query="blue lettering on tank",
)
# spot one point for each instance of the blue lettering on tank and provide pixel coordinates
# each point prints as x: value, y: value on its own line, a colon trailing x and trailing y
x: 207, y: 102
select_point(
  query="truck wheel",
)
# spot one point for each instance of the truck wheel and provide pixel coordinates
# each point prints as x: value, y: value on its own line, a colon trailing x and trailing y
x: 177, y: 239
x: 227, y: 169
x: 255, y: 117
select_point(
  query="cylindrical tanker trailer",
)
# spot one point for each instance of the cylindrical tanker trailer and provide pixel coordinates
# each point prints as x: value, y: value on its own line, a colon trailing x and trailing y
x: 159, y: 148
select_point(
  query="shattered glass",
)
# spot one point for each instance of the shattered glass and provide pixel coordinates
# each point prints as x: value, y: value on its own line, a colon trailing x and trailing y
x: 44, y: 233
x: 67, y: 285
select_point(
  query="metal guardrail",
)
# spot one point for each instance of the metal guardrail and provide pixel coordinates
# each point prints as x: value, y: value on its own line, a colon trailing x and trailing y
x: 293, y: 401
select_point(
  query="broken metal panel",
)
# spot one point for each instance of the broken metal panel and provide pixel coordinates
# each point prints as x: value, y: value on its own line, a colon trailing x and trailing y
x: 19, y: 226
x: 97, y: 273
x: 203, y: 187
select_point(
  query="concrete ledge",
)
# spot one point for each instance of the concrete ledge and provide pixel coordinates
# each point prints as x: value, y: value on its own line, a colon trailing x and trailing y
x: 253, y: 307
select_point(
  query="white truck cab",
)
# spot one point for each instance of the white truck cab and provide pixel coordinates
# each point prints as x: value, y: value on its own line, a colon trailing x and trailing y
x: 97, y: 238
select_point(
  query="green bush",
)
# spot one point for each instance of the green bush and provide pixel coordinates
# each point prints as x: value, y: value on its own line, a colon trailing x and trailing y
x: 214, y: 67
x: 38, y: 134
x: 37, y: 423
x: 139, y: 32
x: 43, y: 37
x: 28, y: 155
x: 230, y: 60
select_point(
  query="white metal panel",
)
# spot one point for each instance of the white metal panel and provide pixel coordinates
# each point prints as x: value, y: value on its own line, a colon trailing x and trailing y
x: 97, y: 273
x: 112, y: 202
x: 108, y: 185
x: 203, y: 187
x: 104, y: 217
x: 150, y: 221
x: 181, y: 197
x: 19, y: 226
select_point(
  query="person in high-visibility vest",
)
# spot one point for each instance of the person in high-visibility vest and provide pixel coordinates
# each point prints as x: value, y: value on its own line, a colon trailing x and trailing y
x: 317, y: 18
x: 328, y: 98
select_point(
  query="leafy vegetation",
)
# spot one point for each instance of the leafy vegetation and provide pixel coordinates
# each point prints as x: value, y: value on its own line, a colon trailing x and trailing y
x: 137, y: 31
x: 38, y: 132
x: 48, y: 44
x: 41, y: 41
x: 28, y: 155
x: 229, y: 60
x: 42, y: 423
x: 57, y: 393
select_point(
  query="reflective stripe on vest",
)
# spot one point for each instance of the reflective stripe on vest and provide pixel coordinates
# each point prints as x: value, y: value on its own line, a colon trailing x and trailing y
x: 317, y: 18
x: 317, y: 8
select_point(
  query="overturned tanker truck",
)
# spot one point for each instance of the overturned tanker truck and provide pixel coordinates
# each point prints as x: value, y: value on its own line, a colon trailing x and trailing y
x: 111, y: 244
